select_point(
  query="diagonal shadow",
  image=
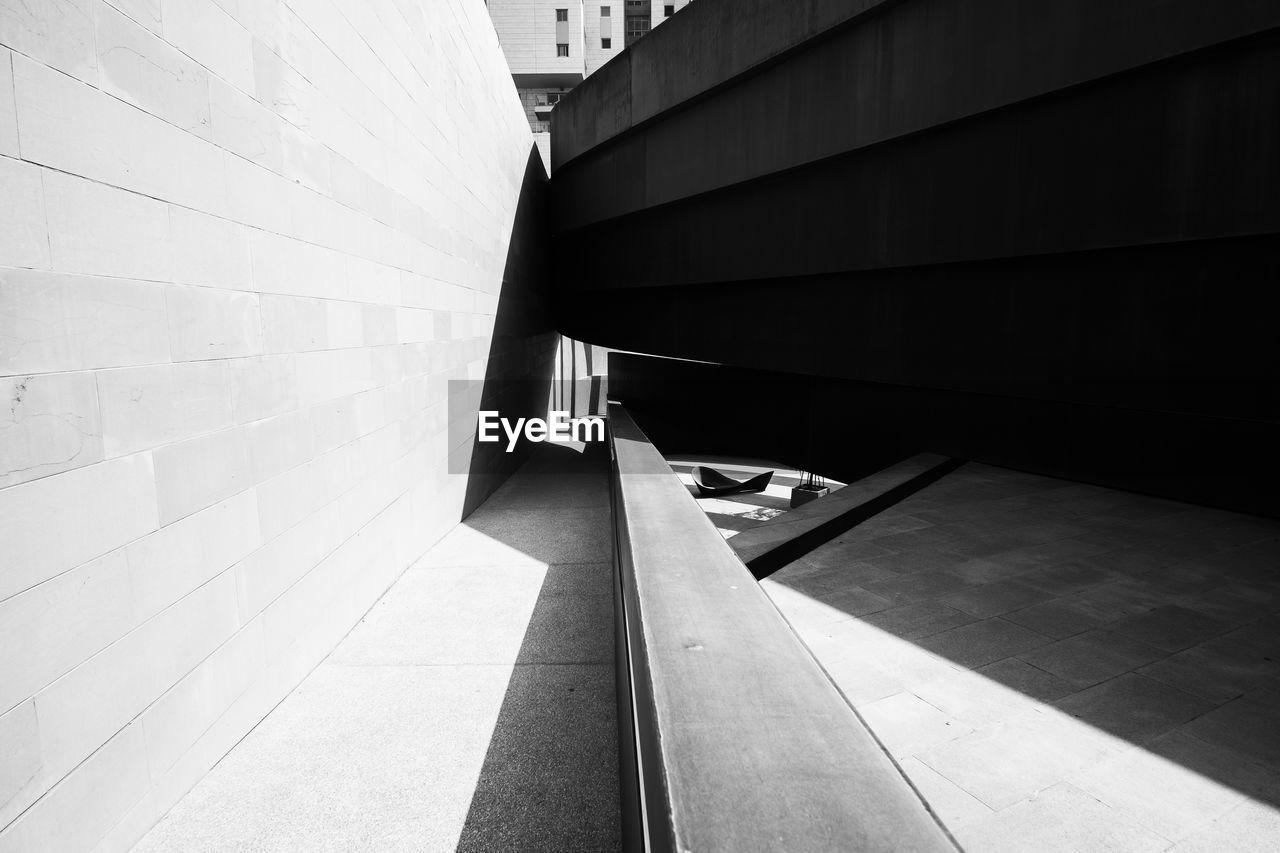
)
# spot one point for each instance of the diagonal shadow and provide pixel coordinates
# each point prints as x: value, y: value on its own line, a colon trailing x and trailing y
x: 549, y: 781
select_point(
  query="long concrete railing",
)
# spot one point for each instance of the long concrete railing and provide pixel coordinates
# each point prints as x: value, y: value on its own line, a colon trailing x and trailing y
x: 733, y: 738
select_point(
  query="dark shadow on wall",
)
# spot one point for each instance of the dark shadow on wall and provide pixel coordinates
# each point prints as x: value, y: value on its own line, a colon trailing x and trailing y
x: 846, y: 428
x: 522, y: 350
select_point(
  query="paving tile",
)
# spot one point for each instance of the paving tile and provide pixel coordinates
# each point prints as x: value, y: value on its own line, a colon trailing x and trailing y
x: 847, y: 549
x: 1184, y: 580
x: 906, y: 724
x: 1175, y: 785
x: 1247, y: 725
x: 863, y: 682
x: 993, y: 599
x: 856, y: 601
x: 1116, y: 600
x: 803, y: 611
x: 1215, y: 675
x: 1068, y: 577
x: 1235, y: 603
x: 1061, y: 818
x: 918, y: 560
x: 913, y: 621
x: 1092, y: 657
x: 866, y: 669
x: 917, y: 586
x: 984, y: 642
x: 1259, y: 640
x: 1135, y: 562
x: 889, y: 522
x: 930, y: 537
x: 1134, y: 707
x: 1026, y: 679
x: 973, y: 698
x: 1171, y: 627
x: 1012, y: 760
x: 953, y: 806
x: 1031, y: 555
x: 1250, y: 827
x: 817, y: 584
x: 851, y: 572
x: 1059, y: 618
x: 981, y: 570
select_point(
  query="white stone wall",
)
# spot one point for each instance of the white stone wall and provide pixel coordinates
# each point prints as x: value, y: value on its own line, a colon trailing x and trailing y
x: 527, y: 29
x: 595, y: 26
x: 243, y: 246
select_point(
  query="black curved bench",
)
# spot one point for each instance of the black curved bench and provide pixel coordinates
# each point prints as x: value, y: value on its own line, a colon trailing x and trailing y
x: 711, y: 482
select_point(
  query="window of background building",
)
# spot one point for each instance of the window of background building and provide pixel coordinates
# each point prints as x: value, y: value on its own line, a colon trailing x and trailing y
x: 606, y: 44
x: 562, y: 50
x: 668, y: 11
x: 606, y: 12
x: 562, y: 14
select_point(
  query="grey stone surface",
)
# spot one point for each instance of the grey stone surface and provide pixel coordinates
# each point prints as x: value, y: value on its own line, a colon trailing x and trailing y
x: 1248, y: 725
x: 1027, y: 679
x: 1177, y: 785
x: 1134, y: 707
x: 913, y: 621
x: 1092, y: 657
x: 984, y: 642
x: 1171, y: 627
x: 1009, y: 761
x: 1062, y: 819
x: 995, y: 599
x: 1059, y: 618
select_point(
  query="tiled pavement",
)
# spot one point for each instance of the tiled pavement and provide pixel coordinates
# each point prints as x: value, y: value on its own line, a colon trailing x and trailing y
x: 472, y: 708
x: 1058, y: 666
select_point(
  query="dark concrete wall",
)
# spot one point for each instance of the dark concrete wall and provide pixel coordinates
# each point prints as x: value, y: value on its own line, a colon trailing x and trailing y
x: 1043, y: 218
x: 847, y: 429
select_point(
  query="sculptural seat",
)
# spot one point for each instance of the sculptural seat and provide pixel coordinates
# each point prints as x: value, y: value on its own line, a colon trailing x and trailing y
x: 711, y: 482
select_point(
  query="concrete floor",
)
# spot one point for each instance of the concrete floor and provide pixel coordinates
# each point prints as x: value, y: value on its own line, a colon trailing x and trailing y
x: 472, y: 708
x: 1059, y: 667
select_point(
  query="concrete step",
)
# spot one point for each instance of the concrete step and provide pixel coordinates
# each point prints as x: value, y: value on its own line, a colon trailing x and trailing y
x: 774, y: 544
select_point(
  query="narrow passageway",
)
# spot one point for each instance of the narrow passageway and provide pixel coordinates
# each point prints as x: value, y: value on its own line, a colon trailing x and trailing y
x: 472, y: 708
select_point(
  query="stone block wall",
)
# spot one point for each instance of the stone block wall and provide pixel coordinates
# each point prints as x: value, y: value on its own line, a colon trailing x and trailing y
x: 244, y: 244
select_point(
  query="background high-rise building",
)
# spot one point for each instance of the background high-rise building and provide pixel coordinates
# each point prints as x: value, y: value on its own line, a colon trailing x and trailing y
x: 552, y: 45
